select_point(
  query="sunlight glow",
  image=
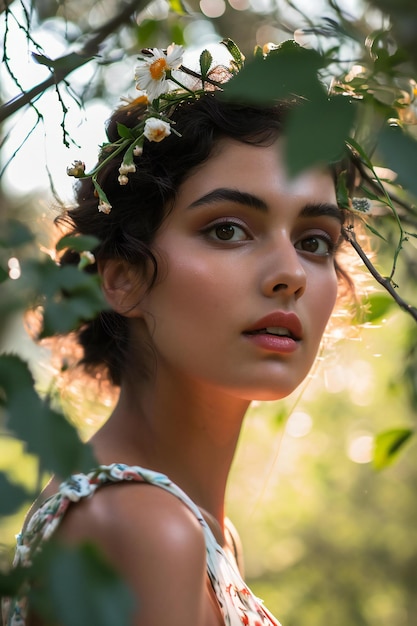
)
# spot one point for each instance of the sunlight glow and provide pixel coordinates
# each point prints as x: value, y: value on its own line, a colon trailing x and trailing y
x: 358, y: 380
x: 266, y: 34
x: 360, y: 448
x: 299, y: 424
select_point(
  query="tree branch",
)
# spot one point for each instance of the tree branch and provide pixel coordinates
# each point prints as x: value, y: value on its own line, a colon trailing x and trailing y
x: 350, y: 237
x: 68, y: 63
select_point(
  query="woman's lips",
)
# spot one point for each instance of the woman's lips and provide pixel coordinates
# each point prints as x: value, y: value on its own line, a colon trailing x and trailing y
x: 280, y: 332
x: 278, y: 323
x: 273, y: 343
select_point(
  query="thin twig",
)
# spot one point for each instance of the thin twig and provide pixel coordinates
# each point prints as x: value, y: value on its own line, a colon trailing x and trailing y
x: 85, y: 54
x: 386, y: 283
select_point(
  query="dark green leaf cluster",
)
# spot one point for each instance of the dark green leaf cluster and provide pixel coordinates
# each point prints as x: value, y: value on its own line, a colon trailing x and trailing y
x: 75, y: 586
x: 320, y: 124
x: 68, y: 296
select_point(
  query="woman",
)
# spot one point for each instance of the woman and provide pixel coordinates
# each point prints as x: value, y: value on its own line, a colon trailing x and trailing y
x: 220, y: 273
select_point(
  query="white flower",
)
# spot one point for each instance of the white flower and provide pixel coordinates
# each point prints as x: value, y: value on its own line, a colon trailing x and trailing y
x: 104, y: 207
x: 88, y: 257
x: 125, y: 168
x: 137, y: 151
x: 150, y: 73
x: 76, y: 487
x: 156, y: 130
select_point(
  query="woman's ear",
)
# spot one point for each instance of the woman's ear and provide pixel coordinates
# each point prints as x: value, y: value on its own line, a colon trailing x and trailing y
x: 122, y: 286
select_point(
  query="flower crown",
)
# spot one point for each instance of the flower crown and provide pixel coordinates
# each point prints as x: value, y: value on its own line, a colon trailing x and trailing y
x: 157, y: 77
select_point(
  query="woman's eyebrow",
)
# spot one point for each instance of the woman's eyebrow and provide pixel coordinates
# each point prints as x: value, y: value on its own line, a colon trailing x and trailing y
x: 320, y: 209
x: 230, y: 195
x: 222, y: 194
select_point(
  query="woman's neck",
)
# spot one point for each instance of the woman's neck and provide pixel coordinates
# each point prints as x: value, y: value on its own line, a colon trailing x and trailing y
x: 179, y: 428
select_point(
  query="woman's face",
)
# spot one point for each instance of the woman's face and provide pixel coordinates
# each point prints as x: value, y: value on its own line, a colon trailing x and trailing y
x: 246, y: 274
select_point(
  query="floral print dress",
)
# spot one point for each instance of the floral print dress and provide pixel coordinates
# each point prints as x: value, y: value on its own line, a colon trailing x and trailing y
x: 237, y: 603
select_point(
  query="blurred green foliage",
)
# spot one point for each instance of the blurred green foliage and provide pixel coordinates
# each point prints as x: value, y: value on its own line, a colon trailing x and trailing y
x: 328, y: 539
x: 68, y: 573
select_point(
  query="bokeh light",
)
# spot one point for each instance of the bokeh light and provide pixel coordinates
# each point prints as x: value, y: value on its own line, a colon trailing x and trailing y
x: 213, y: 8
x: 299, y: 424
x: 360, y: 448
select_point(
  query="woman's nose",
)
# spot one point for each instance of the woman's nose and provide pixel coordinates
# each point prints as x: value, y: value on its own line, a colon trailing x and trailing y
x: 284, y: 271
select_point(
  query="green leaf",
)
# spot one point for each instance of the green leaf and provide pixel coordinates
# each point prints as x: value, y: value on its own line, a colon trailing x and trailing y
x: 234, y: 51
x: 206, y: 60
x: 78, y: 243
x: 78, y: 303
x: 316, y: 132
x: 69, y: 296
x: 399, y: 151
x: 10, y: 583
x: 375, y: 231
x: 101, y: 194
x: 32, y: 420
x: 4, y: 274
x: 147, y: 32
x: 388, y: 444
x: 289, y: 71
x: 81, y: 589
x: 177, y: 31
x: 180, y: 7
x: 369, y: 193
x: 124, y: 131
x: 364, y: 156
x: 14, y: 233
x: 12, y: 496
x: 342, y: 192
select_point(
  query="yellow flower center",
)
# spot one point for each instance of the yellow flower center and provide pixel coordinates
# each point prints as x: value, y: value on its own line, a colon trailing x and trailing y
x: 157, y: 68
x: 140, y: 100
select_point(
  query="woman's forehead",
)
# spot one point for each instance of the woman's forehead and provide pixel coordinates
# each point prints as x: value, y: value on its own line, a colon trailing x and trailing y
x: 254, y: 169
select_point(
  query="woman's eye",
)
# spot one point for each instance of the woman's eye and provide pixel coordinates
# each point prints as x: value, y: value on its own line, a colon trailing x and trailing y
x: 321, y: 246
x: 227, y: 232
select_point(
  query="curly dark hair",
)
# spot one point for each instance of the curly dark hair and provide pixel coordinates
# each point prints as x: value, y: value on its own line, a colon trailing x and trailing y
x: 139, y: 207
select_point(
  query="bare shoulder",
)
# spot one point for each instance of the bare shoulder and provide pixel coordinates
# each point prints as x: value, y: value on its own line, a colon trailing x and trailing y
x: 130, y: 511
x: 157, y: 545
